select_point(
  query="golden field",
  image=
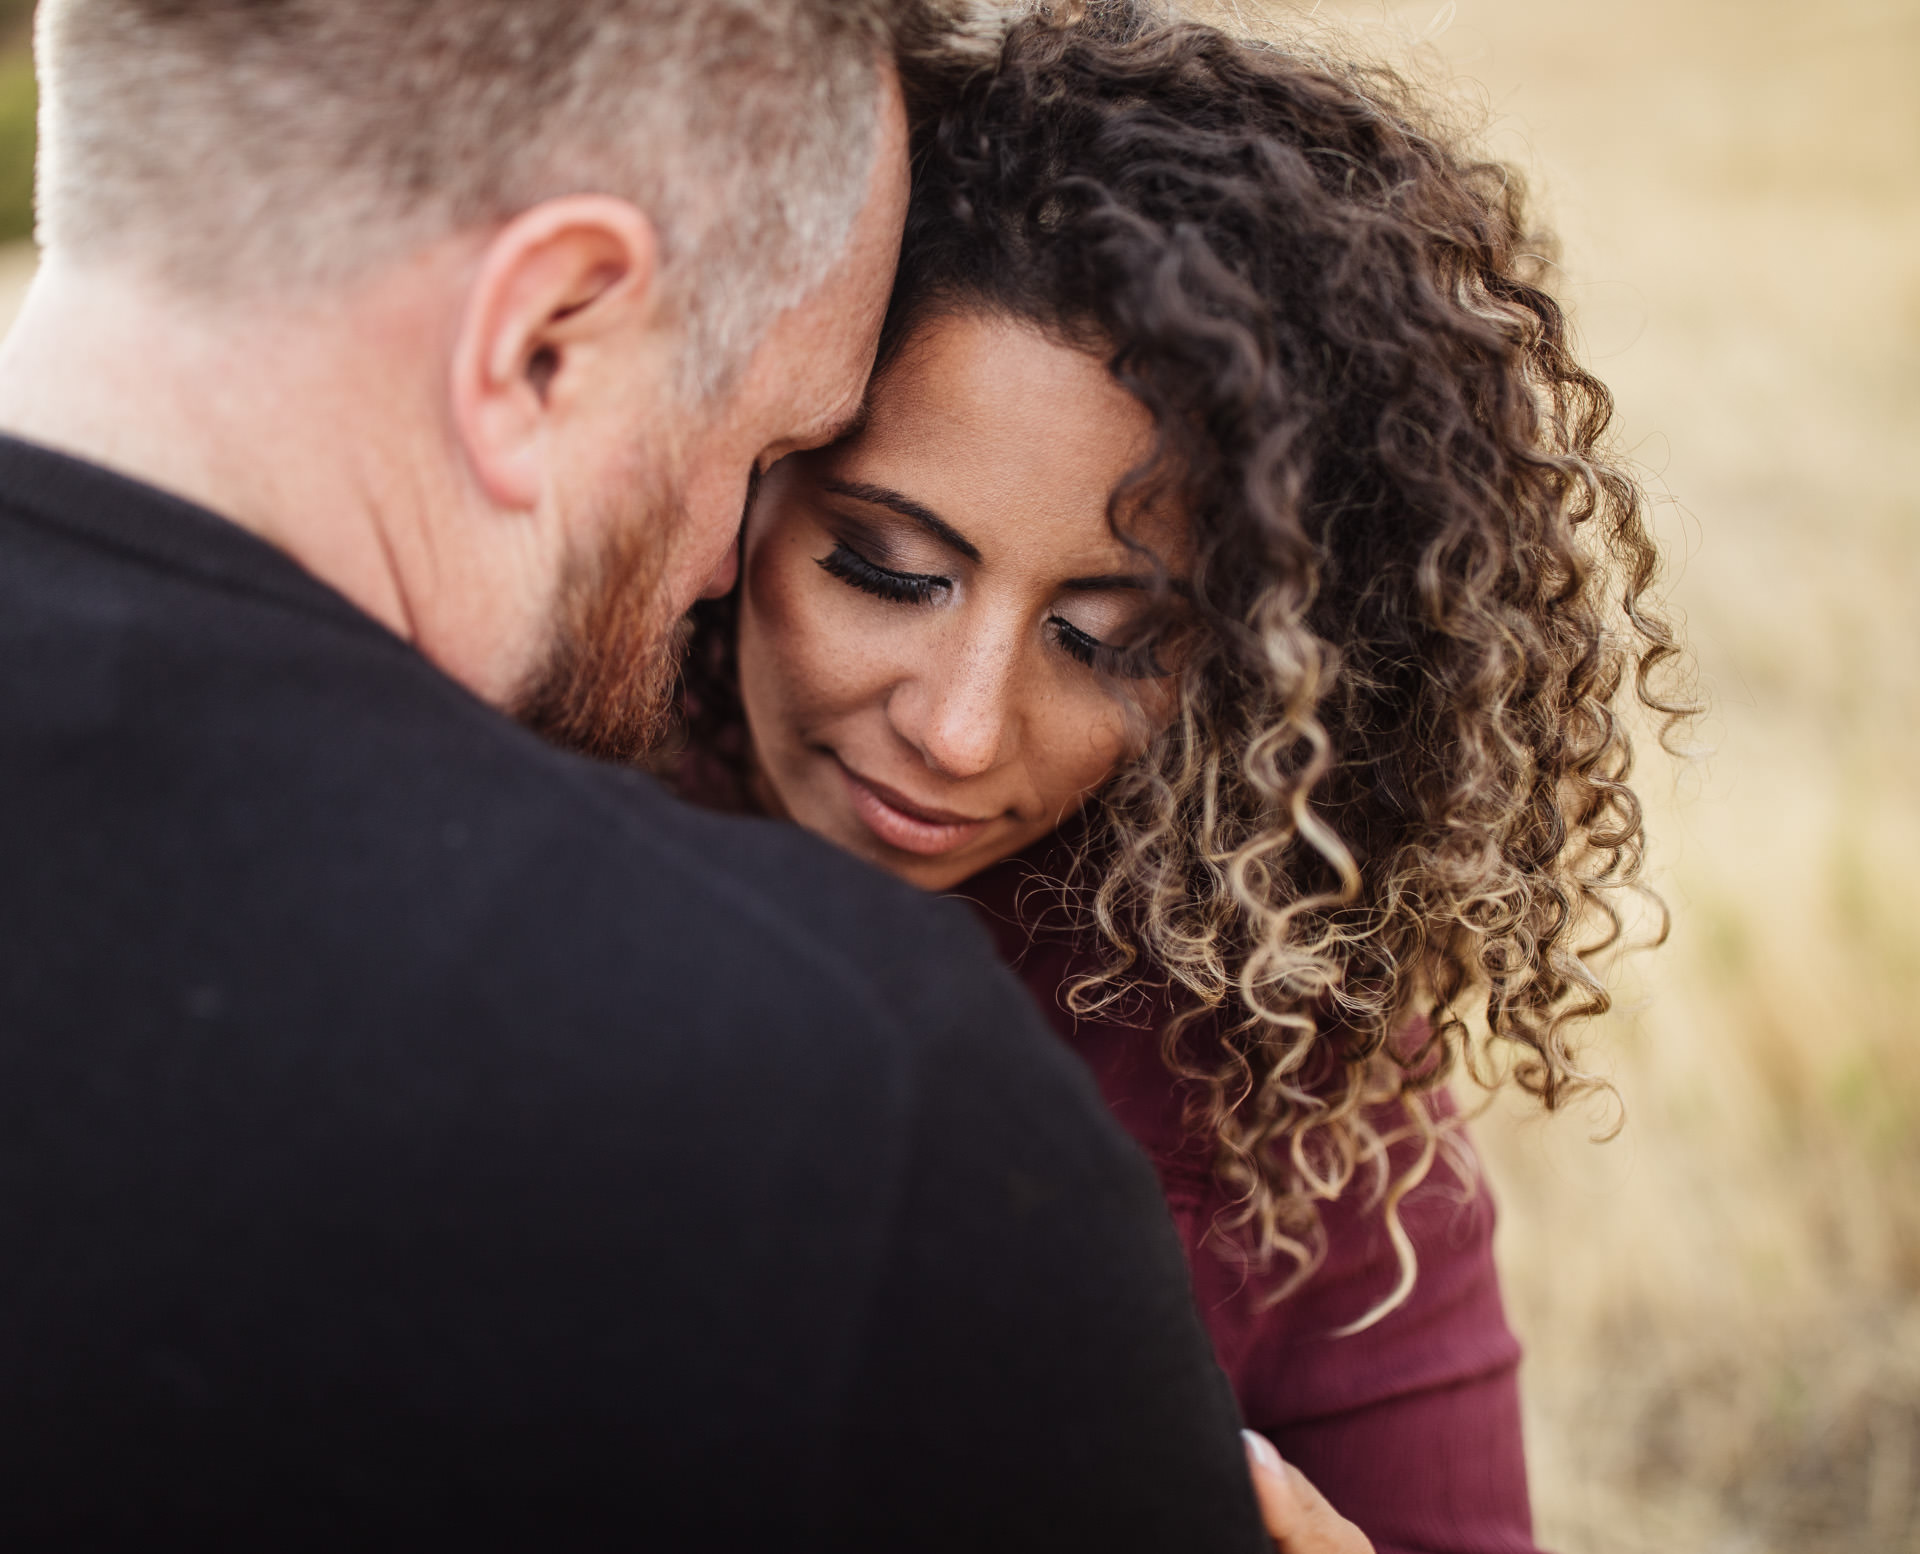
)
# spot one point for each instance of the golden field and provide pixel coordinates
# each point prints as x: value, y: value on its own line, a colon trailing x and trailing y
x: 1722, y: 1306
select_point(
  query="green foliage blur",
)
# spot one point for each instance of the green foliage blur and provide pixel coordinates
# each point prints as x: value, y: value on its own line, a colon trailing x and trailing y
x: 18, y: 100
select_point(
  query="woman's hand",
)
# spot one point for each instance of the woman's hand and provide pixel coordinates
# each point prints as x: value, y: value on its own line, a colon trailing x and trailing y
x: 1297, y: 1515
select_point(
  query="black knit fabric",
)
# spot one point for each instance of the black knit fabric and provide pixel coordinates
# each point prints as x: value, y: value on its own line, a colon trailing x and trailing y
x: 408, y: 1131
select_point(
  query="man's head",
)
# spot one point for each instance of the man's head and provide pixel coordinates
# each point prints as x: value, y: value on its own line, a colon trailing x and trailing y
x: 584, y: 266
x: 265, y: 144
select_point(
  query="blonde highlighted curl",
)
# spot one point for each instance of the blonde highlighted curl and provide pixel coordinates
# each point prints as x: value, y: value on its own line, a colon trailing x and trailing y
x: 1394, y: 791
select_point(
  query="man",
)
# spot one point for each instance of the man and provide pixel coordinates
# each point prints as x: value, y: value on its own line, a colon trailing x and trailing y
x: 408, y: 1130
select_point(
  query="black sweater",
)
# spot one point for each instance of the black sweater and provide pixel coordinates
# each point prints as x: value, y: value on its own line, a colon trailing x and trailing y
x: 408, y: 1130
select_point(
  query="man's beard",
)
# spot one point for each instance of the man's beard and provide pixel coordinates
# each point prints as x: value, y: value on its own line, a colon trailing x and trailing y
x: 606, y: 689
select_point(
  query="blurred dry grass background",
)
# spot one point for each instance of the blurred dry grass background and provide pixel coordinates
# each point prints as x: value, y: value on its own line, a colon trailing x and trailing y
x: 1722, y: 1307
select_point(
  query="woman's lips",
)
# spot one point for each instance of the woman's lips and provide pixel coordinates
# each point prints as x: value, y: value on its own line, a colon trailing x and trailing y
x: 901, y: 823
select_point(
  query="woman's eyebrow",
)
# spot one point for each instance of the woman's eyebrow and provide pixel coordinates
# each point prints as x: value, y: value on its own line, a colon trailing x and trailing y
x: 1113, y: 580
x: 906, y: 507
x: 1138, y: 582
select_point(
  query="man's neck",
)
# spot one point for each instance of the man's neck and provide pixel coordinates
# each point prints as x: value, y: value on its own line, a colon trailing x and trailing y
x: 271, y: 417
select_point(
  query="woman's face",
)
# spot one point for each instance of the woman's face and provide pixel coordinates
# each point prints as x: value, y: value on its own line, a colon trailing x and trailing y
x: 935, y: 611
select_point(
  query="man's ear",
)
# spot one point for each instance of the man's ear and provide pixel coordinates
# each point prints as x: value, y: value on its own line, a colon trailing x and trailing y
x: 555, y: 282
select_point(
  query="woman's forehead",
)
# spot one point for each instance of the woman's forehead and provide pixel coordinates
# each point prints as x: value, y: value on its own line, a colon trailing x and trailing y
x: 1002, y: 429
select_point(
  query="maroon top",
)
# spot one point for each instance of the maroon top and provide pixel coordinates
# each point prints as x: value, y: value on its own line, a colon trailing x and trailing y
x: 1410, y: 1428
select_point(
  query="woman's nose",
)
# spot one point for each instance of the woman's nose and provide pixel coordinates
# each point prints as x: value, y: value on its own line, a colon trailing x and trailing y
x: 957, y: 714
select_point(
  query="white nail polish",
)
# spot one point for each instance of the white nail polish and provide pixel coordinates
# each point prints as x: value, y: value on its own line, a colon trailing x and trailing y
x: 1264, y: 1449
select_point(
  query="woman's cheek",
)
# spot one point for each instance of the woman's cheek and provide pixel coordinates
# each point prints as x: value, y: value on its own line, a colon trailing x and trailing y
x: 1088, y: 740
x: 780, y: 615
x: 824, y: 645
x: 825, y: 656
x: 774, y: 563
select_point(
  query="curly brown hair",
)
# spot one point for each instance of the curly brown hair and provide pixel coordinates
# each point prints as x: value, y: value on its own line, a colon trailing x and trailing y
x: 1396, y: 783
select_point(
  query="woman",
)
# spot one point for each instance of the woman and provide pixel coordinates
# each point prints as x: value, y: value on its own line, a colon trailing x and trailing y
x: 1227, y: 593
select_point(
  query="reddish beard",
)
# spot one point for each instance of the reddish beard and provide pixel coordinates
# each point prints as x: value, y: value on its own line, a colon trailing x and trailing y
x: 607, y: 687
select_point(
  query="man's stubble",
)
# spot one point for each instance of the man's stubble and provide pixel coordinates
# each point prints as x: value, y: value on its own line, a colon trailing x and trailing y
x: 606, y: 688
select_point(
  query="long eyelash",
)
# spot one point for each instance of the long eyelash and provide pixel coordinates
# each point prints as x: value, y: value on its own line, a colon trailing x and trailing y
x: 856, y: 571
x: 1090, y: 651
x: 1128, y: 663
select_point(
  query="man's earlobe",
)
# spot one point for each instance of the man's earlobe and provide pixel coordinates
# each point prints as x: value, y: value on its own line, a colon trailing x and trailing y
x: 559, y: 289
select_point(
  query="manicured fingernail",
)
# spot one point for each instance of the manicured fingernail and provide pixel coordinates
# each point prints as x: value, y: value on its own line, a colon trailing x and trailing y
x: 1263, y: 1449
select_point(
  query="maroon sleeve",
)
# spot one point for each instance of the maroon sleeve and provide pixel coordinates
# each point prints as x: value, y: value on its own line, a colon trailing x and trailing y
x: 1411, y: 1427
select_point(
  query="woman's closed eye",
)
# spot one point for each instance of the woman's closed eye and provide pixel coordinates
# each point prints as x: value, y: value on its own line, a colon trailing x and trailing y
x: 916, y: 588
x: 853, y: 569
x: 1088, y: 649
x: 1125, y: 663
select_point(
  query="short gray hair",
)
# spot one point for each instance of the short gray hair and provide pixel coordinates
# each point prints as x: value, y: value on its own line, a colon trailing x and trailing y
x: 239, y: 146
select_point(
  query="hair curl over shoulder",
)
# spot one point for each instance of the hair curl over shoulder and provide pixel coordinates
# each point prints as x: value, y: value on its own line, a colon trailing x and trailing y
x: 1396, y: 783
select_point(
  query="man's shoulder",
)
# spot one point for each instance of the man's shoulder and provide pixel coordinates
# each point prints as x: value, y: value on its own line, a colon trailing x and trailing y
x: 734, y: 905
x: 455, y: 847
